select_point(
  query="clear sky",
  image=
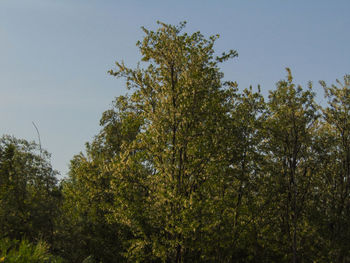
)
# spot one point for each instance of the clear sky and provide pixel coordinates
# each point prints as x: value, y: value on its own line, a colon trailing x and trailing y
x: 55, y: 54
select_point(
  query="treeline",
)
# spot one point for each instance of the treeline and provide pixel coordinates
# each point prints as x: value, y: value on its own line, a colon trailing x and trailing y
x: 189, y: 168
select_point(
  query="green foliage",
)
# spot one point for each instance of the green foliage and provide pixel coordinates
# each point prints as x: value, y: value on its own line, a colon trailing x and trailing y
x: 189, y: 168
x: 29, y: 195
x: 165, y: 178
x: 290, y: 167
x: 13, y: 251
x: 333, y: 198
x: 84, y: 228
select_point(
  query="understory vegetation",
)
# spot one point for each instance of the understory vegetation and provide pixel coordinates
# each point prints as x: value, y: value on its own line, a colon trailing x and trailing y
x: 188, y: 167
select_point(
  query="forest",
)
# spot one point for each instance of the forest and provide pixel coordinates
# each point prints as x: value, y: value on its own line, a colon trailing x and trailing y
x: 188, y: 167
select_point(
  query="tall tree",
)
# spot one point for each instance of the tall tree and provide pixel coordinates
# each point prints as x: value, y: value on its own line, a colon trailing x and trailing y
x: 166, y: 180
x: 290, y: 168
x: 333, y: 200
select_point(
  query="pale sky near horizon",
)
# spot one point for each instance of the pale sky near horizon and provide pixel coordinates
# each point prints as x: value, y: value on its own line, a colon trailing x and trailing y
x: 55, y: 54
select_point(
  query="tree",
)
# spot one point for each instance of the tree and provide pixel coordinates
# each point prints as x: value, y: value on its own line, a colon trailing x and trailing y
x: 290, y: 168
x: 333, y: 200
x: 29, y: 195
x: 84, y: 229
x: 167, y: 180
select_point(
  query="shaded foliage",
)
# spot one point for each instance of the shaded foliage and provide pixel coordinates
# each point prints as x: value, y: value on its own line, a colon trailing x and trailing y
x: 29, y: 195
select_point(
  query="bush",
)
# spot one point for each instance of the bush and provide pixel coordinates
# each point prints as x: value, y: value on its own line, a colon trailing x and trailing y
x: 25, y: 252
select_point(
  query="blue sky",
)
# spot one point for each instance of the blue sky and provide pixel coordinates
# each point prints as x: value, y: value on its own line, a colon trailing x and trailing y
x: 55, y: 54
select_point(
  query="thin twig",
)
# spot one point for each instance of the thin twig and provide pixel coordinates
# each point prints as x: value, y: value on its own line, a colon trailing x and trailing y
x: 37, y: 130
